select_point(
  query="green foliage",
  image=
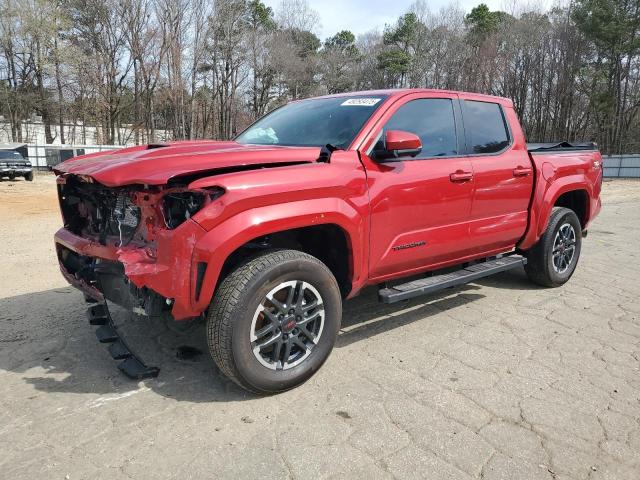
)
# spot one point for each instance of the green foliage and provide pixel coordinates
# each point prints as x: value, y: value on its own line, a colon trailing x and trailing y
x: 482, y: 23
x: 343, y: 44
x: 396, y: 62
x: 405, y: 32
x: 339, y: 59
x: 613, y: 28
x: 401, y: 42
x: 612, y: 25
x: 259, y: 16
x: 306, y: 42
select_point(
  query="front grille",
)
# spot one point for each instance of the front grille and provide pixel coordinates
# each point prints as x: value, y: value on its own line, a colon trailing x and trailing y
x: 97, y: 212
x: 18, y: 164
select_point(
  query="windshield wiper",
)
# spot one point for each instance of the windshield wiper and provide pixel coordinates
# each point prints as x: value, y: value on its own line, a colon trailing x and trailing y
x: 326, y: 151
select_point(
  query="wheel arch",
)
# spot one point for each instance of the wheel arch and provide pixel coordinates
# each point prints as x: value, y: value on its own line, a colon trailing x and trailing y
x: 564, y: 195
x: 319, y: 227
x: 328, y: 242
x: 576, y: 200
x: 573, y: 192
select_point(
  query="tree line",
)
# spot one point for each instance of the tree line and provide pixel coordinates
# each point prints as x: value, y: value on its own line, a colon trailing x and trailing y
x: 207, y: 69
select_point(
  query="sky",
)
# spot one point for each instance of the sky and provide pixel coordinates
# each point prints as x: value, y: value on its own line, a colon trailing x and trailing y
x: 361, y: 16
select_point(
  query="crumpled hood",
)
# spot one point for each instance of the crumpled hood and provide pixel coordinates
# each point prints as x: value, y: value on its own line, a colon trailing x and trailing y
x: 157, y: 164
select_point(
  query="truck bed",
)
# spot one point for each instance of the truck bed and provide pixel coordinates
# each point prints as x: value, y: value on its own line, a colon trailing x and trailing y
x: 560, y: 147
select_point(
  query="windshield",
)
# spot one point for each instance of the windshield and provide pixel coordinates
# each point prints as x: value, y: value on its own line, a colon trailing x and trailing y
x: 10, y: 155
x: 313, y: 123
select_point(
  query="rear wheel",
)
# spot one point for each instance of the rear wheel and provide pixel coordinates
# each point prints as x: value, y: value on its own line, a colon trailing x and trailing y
x: 274, y: 320
x: 552, y: 261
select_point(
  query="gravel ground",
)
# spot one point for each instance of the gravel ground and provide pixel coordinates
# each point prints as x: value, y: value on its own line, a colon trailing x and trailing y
x: 499, y: 379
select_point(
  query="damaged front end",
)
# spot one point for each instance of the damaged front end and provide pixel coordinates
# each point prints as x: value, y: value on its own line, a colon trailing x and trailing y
x: 132, y: 245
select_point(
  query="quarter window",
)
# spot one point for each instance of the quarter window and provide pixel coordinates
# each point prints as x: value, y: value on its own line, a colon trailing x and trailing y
x: 485, y: 127
x: 432, y: 120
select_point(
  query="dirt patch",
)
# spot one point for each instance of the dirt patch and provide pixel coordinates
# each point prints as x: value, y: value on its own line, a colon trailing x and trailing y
x: 19, y: 197
x: 501, y: 380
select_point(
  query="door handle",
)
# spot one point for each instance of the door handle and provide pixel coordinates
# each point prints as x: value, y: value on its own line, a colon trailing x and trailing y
x: 460, y: 176
x: 520, y: 171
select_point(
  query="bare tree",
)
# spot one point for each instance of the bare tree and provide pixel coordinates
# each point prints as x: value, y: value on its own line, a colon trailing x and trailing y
x: 142, y: 70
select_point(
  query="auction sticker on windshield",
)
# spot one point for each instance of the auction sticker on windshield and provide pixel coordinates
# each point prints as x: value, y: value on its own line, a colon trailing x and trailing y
x: 360, y: 102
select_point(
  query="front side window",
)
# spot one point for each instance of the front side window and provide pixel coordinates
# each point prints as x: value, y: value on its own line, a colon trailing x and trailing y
x: 485, y: 127
x: 314, y: 123
x: 432, y: 120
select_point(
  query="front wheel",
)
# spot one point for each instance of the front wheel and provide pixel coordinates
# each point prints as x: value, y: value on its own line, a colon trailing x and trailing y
x: 274, y: 320
x: 28, y: 177
x: 552, y: 260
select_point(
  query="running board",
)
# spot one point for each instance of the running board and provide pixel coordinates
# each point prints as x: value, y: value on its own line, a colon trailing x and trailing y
x: 107, y: 332
x: 425, y: 286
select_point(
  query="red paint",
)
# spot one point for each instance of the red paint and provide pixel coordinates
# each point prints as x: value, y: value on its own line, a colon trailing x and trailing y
x: 398, y: 140
x: 443, y: 210
x: 157, y: 165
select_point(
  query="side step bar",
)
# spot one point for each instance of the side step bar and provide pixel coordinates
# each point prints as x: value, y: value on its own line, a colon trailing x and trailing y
x: 435, y: 283
x: 107, y: 332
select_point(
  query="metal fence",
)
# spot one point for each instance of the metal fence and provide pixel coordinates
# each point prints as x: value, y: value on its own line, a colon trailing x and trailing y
x: 38, y: 154
x: 622, y: 166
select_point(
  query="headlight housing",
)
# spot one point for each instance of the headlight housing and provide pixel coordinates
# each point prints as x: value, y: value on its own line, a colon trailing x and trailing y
x: 177, y: 207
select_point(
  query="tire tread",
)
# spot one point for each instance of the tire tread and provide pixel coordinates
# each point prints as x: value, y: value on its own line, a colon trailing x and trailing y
x: 538, y: 256
x: 226, y: 299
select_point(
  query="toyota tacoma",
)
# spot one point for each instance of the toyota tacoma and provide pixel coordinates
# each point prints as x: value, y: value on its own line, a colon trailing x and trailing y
x: 264, y: 236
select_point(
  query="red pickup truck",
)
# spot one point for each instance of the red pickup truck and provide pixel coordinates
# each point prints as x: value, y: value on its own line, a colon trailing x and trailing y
x: 264, y: 236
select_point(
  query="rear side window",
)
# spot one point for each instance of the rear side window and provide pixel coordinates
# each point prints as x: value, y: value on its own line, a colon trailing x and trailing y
x: 485, y: 127
x: 432, y: 120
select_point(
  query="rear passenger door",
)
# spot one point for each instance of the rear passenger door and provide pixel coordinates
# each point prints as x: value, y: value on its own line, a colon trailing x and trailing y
x: 502, y: 174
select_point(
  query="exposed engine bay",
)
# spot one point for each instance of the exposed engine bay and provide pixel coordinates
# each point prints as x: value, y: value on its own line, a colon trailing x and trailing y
x: 105, y: 214
x: 128, y: 222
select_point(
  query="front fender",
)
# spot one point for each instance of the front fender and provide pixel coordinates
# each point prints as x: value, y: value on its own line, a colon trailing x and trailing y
x: 216, y: 245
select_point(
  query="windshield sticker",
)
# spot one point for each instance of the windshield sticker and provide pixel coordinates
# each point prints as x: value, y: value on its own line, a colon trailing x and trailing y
x: 360, y: 102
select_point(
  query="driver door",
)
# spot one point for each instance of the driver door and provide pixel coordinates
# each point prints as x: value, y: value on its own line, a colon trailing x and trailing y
x: 420, y: 206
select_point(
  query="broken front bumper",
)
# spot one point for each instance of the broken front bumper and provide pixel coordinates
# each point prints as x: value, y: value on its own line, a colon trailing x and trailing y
x: 163, y: 272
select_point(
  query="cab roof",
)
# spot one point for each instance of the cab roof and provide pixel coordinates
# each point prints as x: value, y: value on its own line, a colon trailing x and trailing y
x: 400, y: 92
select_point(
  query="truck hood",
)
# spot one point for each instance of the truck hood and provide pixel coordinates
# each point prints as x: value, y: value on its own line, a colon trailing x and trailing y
x: 157, y: 164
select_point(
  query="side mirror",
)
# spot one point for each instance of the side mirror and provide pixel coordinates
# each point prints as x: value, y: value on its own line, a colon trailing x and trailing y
x: 398, y: 144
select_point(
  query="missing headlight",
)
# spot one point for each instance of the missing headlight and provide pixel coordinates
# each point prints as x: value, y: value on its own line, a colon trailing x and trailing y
x: 180, y: 206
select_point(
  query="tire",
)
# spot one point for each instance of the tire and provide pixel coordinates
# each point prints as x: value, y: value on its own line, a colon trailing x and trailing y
x: 552, y: 261
x: 241, y: 311
x: 29, y: 177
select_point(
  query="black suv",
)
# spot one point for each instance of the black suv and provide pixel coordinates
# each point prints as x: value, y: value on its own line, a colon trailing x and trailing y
x: 13, y: 164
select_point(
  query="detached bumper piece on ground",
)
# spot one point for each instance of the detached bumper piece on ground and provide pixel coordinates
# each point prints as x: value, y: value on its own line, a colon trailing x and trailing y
x: 107, y: 332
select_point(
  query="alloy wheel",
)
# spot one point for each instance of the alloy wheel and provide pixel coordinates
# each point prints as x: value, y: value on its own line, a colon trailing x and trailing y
x: 287, y: 325
x: 564, y: 248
